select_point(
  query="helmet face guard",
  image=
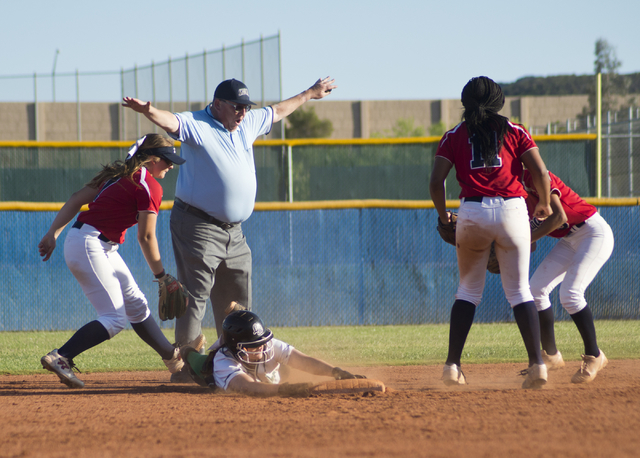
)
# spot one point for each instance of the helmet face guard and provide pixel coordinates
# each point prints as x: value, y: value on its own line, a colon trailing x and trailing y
x: 263, y: 355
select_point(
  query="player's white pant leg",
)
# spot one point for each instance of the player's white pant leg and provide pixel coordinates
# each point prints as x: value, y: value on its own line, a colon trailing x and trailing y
x: 513, y: 248
x: 548, y: 275
x: 592, y: 245
x: 473, y: 243
x: 90, y: 261
x: 136, y: 305
x: 575, y: 261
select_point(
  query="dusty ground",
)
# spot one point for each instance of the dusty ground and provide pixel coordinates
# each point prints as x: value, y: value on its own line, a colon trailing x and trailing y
x: 141, y: 414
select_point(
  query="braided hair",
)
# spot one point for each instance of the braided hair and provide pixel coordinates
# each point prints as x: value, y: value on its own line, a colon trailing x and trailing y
x: 482, y: 99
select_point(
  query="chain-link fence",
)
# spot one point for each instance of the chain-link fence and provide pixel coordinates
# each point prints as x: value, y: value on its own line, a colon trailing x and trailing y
x: 319, y: 264
x: 312, y: 170
x: 183, y: 84
x: 620, y: 166
x: 191, y: 78
x: 312, y: 267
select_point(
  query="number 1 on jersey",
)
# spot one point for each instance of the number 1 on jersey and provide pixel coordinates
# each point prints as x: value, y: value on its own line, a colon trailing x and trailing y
x: 477, y: 156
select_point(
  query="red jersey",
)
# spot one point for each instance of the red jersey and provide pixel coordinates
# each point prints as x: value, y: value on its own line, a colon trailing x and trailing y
x: 574, y: 206
x: 115, y: 209
x: 502, y: 178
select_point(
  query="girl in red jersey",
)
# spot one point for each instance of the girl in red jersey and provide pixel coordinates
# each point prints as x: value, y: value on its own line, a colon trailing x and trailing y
x: 121, y: 195
x: 585, y: 243
x: 488, y: 153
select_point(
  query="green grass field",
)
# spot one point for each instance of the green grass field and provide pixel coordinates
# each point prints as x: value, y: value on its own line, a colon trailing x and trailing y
x: 347, y: 346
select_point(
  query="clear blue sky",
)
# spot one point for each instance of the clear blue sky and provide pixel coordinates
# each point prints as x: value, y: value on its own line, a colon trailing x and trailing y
x: 376, y: 50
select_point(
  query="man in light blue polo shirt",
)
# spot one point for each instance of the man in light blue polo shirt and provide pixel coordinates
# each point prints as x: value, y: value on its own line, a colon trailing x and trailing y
x: 215, y: 193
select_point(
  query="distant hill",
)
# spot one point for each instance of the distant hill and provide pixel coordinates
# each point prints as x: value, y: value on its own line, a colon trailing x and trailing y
x: 561, y: 85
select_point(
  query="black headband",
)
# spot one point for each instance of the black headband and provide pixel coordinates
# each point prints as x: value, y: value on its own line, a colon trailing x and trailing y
x: 158, y: 151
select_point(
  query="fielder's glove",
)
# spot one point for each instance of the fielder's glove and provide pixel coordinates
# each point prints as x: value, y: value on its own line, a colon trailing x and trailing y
x: 492, y: 264
x: 340, y: 374
x: 295, y: 390
x: 448, y: 231
x: 174, y: 298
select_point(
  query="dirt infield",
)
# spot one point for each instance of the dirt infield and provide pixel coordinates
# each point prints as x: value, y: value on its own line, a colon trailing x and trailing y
x: 141, y: 414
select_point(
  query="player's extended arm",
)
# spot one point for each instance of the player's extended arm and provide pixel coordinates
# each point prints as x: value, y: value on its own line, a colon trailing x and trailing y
x: 315, y: 366
x: 148, y: 241
x: 161, y: 118
x: 441, y: 168
x: 68, y: 211
x: 319, y: 90
x: 244, y: 384
x: 553, y: 222
x: 540, y: 176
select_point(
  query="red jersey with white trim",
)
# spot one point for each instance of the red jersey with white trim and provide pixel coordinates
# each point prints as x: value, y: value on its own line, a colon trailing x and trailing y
x: 574, y: 206
x: 502, y: 178
x: 115, y: 209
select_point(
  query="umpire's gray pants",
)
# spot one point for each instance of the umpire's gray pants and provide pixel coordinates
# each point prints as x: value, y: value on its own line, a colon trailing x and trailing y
x: 212, y: 263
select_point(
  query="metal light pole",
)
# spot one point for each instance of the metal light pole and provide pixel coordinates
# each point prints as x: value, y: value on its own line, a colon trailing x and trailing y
x: 53, y: 74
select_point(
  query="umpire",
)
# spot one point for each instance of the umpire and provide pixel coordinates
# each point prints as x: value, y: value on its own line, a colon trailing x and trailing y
x: 215, y: 193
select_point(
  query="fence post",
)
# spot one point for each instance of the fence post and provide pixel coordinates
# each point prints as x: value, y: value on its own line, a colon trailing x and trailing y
x: 123, y: 129
x: 204, y: 64
x: 53, y: 75
x: 186, y: 74
x: 35, y: 107
x: 153, y: 91
x: 78, y: 113
x: 170, y: 86
x: 262, y: 69
x: 290, y: 171
x: 224, y: 63
x: 608, y: 153
x: 135, y: 79
x: 599, y: 135
x: 630, y: 152
x: 282, y: 123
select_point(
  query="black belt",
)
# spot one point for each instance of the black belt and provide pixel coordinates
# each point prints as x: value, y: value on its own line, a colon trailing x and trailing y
x: 479, y: 198
x: 79, y: 224
x: 202, y: 214
x: 579, y: 224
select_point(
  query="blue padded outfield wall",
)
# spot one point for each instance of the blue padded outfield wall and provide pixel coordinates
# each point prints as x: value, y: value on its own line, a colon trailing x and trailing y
x: 360, y: 266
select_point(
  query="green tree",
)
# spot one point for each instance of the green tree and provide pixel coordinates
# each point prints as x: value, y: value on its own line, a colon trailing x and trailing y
x: 438, y: 129
x: 305, y: 123
x: 404, y: 127
x: 613, y: 84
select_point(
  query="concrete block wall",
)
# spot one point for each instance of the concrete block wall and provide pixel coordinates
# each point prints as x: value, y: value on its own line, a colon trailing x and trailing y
x: 350, y: 119
x: 17, y: 120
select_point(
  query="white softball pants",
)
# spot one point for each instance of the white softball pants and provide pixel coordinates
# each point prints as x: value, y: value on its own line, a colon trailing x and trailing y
x: 575, y: 261
x: 479, y: 224
x: 105, y: 279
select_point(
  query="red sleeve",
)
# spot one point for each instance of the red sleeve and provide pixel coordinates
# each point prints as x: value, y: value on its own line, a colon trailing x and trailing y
x: 149, y: 194
x: 576, y: 208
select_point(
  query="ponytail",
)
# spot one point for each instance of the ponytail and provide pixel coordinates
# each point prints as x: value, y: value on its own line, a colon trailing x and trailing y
x: 132, y: 164
x: 482, y: 99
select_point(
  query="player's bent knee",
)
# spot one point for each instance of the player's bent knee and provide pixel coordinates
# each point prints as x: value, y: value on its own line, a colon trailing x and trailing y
x: 138, y: 316
x: 113, y: 325
x: 474, y: 299
x: 542, y: 303
x: 574, y: 307
x: 572, y: 301
x: 517, y: 299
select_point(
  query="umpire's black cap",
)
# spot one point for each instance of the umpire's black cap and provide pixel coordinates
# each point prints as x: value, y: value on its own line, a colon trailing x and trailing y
x: 234, y: 91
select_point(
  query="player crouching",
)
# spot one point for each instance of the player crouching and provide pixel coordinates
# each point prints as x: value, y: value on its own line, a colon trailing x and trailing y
x: 247, y: 359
